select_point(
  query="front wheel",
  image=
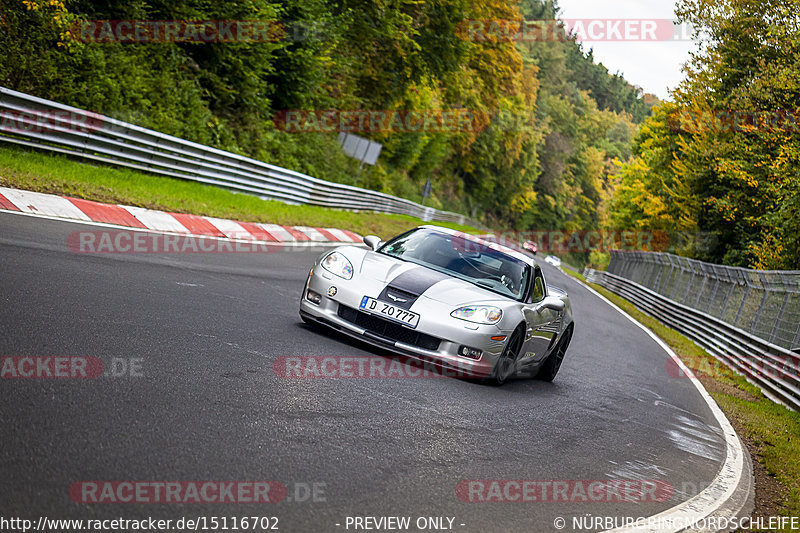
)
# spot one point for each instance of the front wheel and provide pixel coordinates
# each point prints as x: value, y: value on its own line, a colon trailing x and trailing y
x: 506, y: 366
x: 553, y: 364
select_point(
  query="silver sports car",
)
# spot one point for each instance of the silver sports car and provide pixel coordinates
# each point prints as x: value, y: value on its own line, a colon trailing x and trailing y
x: 446, y: 298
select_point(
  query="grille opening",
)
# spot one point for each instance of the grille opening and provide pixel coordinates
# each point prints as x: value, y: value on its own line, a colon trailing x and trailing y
x: 401, y: 293
x: 388, y: 329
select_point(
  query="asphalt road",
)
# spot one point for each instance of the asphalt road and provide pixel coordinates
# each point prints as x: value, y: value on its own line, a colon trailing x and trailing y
x: 202, y: 332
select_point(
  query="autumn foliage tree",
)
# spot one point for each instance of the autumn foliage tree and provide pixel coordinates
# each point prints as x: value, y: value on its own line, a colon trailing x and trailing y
x: 724, y: 159
x: 550, y: 121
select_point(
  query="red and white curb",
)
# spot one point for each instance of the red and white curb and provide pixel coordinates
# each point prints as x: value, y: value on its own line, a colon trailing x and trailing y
x: 129, y: 217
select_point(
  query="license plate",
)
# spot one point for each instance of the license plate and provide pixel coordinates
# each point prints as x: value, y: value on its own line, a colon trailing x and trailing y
x: 390, y: 311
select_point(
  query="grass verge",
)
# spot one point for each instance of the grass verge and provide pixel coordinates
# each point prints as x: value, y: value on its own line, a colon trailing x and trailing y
x: 36, y: 171
x: 771, y: 431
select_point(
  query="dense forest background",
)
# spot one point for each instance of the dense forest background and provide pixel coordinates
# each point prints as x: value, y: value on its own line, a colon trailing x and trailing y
x: 722, y: 160
x: 557, y: 119
x: 567, y: 144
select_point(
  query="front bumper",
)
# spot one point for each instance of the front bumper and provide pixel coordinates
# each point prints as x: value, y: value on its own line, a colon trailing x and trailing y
x: 435, y: 321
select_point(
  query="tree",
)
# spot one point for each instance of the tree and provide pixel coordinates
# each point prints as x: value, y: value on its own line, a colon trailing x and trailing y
x: 726, y: 154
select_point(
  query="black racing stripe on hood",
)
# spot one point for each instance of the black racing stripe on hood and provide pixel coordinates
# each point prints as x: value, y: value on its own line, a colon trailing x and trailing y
x: 410, y: 285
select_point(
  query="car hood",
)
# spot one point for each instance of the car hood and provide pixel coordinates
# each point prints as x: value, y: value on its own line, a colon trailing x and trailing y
x: 423, y: 281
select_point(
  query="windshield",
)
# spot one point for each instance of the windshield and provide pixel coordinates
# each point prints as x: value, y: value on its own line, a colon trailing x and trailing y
x: 462, y: 258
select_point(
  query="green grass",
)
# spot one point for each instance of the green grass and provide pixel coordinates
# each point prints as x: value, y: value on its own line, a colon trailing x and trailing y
x: 772, y: 429
x: 35, y: 171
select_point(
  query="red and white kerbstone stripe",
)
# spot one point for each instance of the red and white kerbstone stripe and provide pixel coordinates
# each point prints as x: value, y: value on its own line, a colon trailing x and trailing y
x: 77, y: 209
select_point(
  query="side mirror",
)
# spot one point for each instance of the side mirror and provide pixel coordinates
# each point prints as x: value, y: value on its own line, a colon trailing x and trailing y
x: 372, y: 241
x: 553, y: 303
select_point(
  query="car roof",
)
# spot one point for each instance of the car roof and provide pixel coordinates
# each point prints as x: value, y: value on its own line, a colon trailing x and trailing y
x: 490, y: 241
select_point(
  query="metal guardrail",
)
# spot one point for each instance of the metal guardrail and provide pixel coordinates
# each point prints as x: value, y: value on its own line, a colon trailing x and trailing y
x: 46, y: 125
x: 774, y: 369
x: 764, y: 303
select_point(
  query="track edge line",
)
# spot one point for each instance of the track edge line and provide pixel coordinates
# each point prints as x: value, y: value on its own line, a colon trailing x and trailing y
x: 732, y: 492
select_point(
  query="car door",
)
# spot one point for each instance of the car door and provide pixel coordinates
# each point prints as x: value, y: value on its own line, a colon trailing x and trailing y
x: 541, y: 323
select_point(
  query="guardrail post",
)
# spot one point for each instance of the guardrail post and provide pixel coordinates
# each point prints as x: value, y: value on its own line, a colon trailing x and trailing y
x: 642, y: 270
x: 655, y: 277
x: 796, y: 341
x: 713, y: 296
x: 689, y: 285
x: 85, y: 147
x: 778, y: 319
x: 627, y: 265
x: 678, y: 281
x: 760, y: 308
x: 733, y: 283
x: 744, y: 301
x: 662, y: 290
x: 633, y: 272
x: 700, y: 292
x: 612, y: 264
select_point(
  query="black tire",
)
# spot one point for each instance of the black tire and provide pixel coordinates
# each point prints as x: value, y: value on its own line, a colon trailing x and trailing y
x: 551, y: 367
x: 503, y: 369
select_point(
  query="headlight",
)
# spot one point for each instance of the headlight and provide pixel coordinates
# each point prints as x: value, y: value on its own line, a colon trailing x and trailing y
x: 338, y: 264
x: 480, y: 314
